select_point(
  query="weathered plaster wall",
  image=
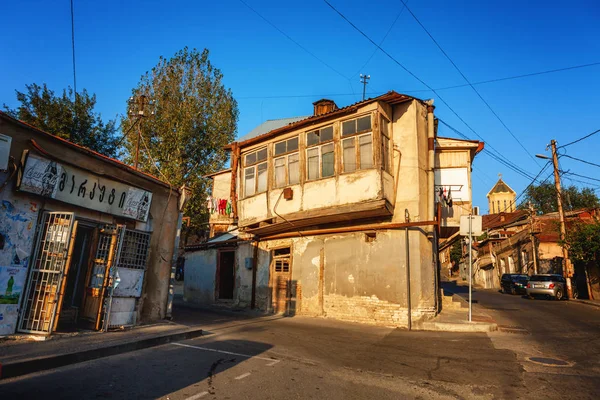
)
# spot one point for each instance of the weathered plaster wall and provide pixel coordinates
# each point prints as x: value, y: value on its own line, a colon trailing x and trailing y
x: 200, y: 273
x: 363, y: 281
x: 162, y: 218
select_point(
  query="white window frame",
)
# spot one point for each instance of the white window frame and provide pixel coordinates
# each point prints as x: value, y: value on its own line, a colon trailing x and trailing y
x: 254, y: 168
x: 286, y: 167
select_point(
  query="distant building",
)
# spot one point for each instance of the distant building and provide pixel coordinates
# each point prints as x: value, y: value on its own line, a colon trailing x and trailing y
x: 501, y: 198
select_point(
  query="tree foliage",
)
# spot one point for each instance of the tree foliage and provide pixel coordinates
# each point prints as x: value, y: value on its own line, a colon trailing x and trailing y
x: 543, y: 198
x: 456, y: 252
x: 74, y: 120
x: 583, y: 241
x: 195, y: 116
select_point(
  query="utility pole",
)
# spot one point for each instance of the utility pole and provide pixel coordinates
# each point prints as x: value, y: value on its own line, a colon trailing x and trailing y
x: 567, y: 270
x: 364, y: 80
x: 567, y: 266
x: 138, y: 110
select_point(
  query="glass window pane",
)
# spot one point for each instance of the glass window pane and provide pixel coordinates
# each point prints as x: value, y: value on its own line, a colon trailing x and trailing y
x: 312, y: 162
x: 280, y: 148
x: 282, y: 252
x: 349, y: 127
x: 261, y: 155
x: 349, y: 154
x: 366, y: 151
x: 364, y: 124
x: 280, y: 172
x: 294, y: 169
x: 312, y: 138
x: 261, y: 185
x: 250, y: 158
x: 292, y: 144
x: 327, y: 168
x: 326, y: 134
x: 249, y: 182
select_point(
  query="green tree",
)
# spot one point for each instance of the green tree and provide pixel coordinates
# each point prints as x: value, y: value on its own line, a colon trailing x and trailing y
x: 456, y: 252
x: 583, y: 241
x: 74, y: 120
x: 195, y: 116
x: 543, y: 198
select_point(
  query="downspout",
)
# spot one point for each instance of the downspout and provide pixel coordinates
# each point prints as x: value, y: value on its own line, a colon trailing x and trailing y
x: 254, y: 267
x: 235, y: 158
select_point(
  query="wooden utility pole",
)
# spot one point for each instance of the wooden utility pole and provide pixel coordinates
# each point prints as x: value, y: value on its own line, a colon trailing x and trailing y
x: 567, y: 266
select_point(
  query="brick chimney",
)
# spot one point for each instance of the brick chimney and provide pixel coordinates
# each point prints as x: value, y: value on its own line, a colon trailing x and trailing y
x: 324, y: 106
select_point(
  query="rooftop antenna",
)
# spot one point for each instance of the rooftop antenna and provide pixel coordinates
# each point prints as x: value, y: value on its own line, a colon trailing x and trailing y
x: 364, y: 80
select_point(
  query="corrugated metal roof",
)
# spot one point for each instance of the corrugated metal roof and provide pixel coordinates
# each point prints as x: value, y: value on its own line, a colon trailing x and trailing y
x: 225, y: 236
x: 270, y: 125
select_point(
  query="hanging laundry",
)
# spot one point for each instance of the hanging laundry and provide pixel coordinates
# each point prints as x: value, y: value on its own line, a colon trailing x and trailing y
x: 222, y: 206
x: 449, y: 198
x: 228, y: 208
x: 209, y: 204
x: 215, y: 205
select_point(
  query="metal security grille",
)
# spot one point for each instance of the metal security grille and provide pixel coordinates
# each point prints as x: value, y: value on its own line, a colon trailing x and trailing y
x: 100, y: 260
x: 134, y: 250
x: 45, y: 275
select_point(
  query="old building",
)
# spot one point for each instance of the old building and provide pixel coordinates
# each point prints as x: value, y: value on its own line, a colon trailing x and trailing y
x: 73, y: 224
x: 501, y: 198
x: 320, y: 211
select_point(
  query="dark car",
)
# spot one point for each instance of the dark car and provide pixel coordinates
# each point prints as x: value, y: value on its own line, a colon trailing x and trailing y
x: 550, y: 286
x: 514, y: 283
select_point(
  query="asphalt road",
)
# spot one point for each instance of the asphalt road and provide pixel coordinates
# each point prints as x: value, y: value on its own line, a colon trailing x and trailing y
x: 311, y: 358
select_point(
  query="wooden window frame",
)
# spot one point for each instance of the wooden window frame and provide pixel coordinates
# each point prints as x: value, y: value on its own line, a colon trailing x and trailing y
x: 286, y: 166
x: 254, y: 166
x: 319, y: 146
x: 357, y: 161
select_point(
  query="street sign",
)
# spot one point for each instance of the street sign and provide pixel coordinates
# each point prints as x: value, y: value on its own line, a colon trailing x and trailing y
x: 476, y: 227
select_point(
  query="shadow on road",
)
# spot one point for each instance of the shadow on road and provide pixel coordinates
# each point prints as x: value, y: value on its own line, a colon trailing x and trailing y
x: 150, y: 373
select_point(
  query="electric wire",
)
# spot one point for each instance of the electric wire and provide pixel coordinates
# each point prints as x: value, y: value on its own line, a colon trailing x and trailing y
x: 580, y: 160
x: 579, y: 140
x: 469, y: 82
x: 409, y: 72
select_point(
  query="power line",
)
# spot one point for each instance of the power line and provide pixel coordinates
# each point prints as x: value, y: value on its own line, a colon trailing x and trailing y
x: 407, y: 71
x: 425, y: 90
x: 468, y: 82
x: 580, y: 139
x: 582, y: 176
x: 382, y: 40
x: 498, y: 156
x: 580, y: 160
x: 296, y: 43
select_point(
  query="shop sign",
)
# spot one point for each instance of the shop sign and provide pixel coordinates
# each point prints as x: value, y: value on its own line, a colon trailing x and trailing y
x: 72, y: 185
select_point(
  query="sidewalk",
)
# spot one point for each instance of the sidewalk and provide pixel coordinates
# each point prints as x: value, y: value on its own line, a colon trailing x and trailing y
x: 454, y: 316
x: 20, y: 357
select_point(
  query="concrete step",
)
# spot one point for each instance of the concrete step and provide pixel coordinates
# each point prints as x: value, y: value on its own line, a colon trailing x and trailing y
x: 459, y: 326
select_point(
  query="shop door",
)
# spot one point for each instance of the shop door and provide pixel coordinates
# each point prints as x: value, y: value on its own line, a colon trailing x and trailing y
x: 97, y: 278
x: 226, y: 274
x: 49, y: 266
x: 281, y: 273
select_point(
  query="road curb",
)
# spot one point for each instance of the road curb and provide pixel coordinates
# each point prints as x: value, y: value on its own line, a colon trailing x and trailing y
x: 589, y: 303
x: 19, y: 368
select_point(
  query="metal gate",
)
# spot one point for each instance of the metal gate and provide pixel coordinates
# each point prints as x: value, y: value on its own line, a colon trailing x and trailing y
x: 127, y: 278
x: 50, y: 261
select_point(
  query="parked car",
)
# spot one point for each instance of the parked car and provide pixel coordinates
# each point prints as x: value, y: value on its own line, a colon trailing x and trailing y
x: 549, y: 285
x: 514, y: 283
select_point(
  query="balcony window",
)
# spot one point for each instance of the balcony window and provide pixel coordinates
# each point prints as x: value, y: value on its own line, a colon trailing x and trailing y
x: 287, y: 170
x: 357, y: 152
x: 357, y: 125
x: 320, y: 156
x: 255, y: 172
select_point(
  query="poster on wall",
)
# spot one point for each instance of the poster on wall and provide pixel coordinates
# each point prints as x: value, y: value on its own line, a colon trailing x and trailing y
x: 72, y: 185
x: 12, y: 282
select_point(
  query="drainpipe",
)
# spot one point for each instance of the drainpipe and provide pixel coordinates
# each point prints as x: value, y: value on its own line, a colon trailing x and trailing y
x: 408, y: 305
x: 431, y: 195
x: 254, y: 266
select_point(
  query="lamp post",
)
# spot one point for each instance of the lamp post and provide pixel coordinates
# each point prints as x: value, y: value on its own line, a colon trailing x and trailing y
x: 567, y: 269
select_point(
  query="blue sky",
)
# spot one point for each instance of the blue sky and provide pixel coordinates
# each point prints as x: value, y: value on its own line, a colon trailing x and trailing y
x: 272, y: 77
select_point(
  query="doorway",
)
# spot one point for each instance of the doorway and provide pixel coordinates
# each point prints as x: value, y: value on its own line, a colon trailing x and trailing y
x: 281, y: 272
x: 225, y: 274
x: 76, y: 278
